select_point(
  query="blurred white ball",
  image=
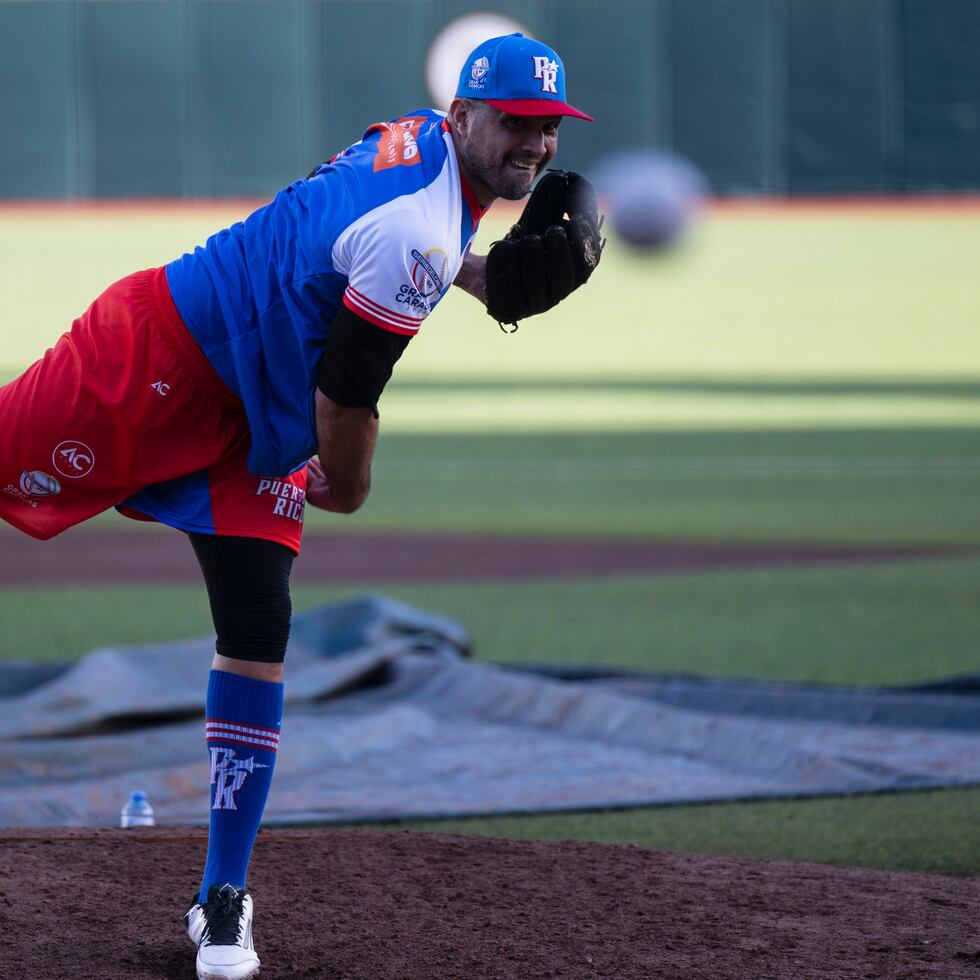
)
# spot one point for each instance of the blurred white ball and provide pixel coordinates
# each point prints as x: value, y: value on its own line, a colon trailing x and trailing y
x: 652, y: 196
x: 453, y: 44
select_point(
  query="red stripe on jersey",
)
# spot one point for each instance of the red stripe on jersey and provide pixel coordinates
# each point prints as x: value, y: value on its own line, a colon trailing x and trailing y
x: 477, y: 211
x: 380, y: 316
x: 377, y: 308
x: 371, y: 318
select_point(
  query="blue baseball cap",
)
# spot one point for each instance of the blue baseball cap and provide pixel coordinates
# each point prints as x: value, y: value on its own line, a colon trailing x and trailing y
x: 519, y: 75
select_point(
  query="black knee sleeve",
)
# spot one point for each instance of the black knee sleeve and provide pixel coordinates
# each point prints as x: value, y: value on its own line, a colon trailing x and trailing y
x: 248, y: 588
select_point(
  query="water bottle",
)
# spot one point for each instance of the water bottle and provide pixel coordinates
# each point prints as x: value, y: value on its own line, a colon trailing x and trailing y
x: 137, y: 812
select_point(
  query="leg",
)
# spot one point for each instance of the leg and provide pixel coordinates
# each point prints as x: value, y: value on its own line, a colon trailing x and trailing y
x: 248, y: 588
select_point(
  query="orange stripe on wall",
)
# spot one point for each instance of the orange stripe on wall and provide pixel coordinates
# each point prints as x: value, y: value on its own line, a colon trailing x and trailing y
x: 965, y: 204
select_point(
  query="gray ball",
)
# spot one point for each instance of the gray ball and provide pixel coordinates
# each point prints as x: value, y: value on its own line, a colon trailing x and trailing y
x: 652, y: 196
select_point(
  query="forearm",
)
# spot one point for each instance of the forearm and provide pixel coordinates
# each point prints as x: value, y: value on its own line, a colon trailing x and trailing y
x: 345, y: 444
x: 472, y: 276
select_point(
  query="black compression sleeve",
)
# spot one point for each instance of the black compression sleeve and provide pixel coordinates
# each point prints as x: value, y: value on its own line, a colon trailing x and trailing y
x: 248, y: 588
x: 358, y: 360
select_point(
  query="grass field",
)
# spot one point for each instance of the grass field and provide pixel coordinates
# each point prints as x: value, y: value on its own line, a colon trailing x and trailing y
x: 790, y: 376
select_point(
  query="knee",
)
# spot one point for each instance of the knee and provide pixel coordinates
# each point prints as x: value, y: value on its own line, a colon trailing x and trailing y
x: 255, y: 626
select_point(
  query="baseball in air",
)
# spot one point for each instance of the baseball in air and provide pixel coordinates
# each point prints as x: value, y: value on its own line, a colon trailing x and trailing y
x: 651, y: 196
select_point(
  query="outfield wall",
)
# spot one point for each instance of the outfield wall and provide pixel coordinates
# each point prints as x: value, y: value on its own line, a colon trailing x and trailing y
x: 123, y: 98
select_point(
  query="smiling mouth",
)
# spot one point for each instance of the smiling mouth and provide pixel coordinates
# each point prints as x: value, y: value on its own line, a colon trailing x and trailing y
x: 527, y: 165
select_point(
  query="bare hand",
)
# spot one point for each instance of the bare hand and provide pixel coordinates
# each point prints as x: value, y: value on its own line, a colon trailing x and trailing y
x: 317, y: 489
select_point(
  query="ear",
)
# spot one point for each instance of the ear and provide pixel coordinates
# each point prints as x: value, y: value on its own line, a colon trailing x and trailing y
x: 460, y: 116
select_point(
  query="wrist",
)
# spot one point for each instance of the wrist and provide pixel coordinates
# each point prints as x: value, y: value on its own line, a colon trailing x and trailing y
x: 472, y: 277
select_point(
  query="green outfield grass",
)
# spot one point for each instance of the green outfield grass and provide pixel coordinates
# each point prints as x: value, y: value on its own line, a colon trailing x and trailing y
x: 866, y: 624
x: 784, y: 376
x: 850, y: 485
x: 932, y: 831
x: 910, y: 486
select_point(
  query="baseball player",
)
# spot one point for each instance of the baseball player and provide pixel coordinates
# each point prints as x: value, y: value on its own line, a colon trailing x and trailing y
x: 221, y: 393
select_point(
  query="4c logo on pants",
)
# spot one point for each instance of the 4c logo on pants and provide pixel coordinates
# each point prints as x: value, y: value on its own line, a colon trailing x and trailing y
x: 73, y: 459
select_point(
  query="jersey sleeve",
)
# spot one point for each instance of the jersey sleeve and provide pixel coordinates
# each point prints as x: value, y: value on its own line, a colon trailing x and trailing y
x: 396, y: 270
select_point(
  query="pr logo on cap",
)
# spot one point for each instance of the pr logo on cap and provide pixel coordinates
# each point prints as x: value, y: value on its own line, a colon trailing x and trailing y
x: 547, y: 70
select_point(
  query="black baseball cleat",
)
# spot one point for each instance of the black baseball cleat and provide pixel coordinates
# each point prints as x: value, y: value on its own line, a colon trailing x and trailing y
x: 221, y: 929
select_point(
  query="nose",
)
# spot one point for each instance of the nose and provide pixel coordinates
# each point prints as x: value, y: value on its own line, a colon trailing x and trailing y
x: 535, y: 143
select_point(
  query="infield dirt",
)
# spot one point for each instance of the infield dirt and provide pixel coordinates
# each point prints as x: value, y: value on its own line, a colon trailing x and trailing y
x: 365, y: 905
x: 94, y: 556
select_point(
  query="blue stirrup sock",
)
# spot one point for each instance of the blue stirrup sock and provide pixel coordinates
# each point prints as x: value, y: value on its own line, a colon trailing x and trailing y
x: 243, y: 720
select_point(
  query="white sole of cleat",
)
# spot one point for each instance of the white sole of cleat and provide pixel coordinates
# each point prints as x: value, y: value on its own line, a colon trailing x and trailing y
x: 203, y: 975
x: 228, y: 973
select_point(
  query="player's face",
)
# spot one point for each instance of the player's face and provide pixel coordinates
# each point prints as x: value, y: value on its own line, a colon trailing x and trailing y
x: 504, y: 153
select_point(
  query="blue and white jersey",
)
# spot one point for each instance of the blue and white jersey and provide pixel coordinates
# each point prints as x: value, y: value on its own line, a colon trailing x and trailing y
x: 382, y: 228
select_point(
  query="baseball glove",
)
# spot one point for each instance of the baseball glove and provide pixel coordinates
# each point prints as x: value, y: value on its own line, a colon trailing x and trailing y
x: 546, y: 255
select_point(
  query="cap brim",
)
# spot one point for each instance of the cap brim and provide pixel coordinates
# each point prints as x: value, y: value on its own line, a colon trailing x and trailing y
x: 538, y: 107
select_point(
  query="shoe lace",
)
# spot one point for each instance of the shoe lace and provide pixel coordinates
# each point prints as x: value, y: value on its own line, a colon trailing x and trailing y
x: 223, y: 913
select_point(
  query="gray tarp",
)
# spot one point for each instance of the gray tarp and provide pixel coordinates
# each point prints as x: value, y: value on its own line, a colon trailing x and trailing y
x: 387, y: 718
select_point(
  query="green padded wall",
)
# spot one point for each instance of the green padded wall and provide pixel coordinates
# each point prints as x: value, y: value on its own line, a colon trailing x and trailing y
x: 134, y: 98
x: 843, y: 123
x: 942, y: 93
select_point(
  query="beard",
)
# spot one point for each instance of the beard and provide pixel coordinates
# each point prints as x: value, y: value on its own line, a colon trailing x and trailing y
x: 501, y: 177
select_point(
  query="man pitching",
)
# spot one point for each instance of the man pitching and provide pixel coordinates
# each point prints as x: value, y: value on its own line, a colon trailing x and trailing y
x: 222, y: 392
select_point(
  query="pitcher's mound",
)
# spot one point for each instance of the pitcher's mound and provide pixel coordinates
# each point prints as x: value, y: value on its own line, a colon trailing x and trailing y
x: 364, y: 905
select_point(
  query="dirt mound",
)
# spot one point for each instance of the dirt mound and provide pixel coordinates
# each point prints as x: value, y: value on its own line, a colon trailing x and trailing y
x: 363, y: 905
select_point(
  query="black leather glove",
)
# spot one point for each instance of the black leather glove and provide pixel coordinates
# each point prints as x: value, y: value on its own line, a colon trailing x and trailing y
x: 549, y: 253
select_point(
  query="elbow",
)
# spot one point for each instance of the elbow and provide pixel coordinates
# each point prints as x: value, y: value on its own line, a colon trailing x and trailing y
x: 352, y: 500
x: 348, y: 506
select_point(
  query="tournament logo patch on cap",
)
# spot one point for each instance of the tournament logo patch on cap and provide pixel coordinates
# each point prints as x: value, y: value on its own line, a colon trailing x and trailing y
x: 518, y: 75
x: 478, y: 72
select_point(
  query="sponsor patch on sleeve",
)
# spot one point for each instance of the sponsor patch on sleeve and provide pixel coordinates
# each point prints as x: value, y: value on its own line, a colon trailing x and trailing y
x: 398, y: 145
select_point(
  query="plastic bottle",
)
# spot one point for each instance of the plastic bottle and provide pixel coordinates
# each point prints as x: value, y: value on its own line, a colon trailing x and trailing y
x: 137, y: 812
